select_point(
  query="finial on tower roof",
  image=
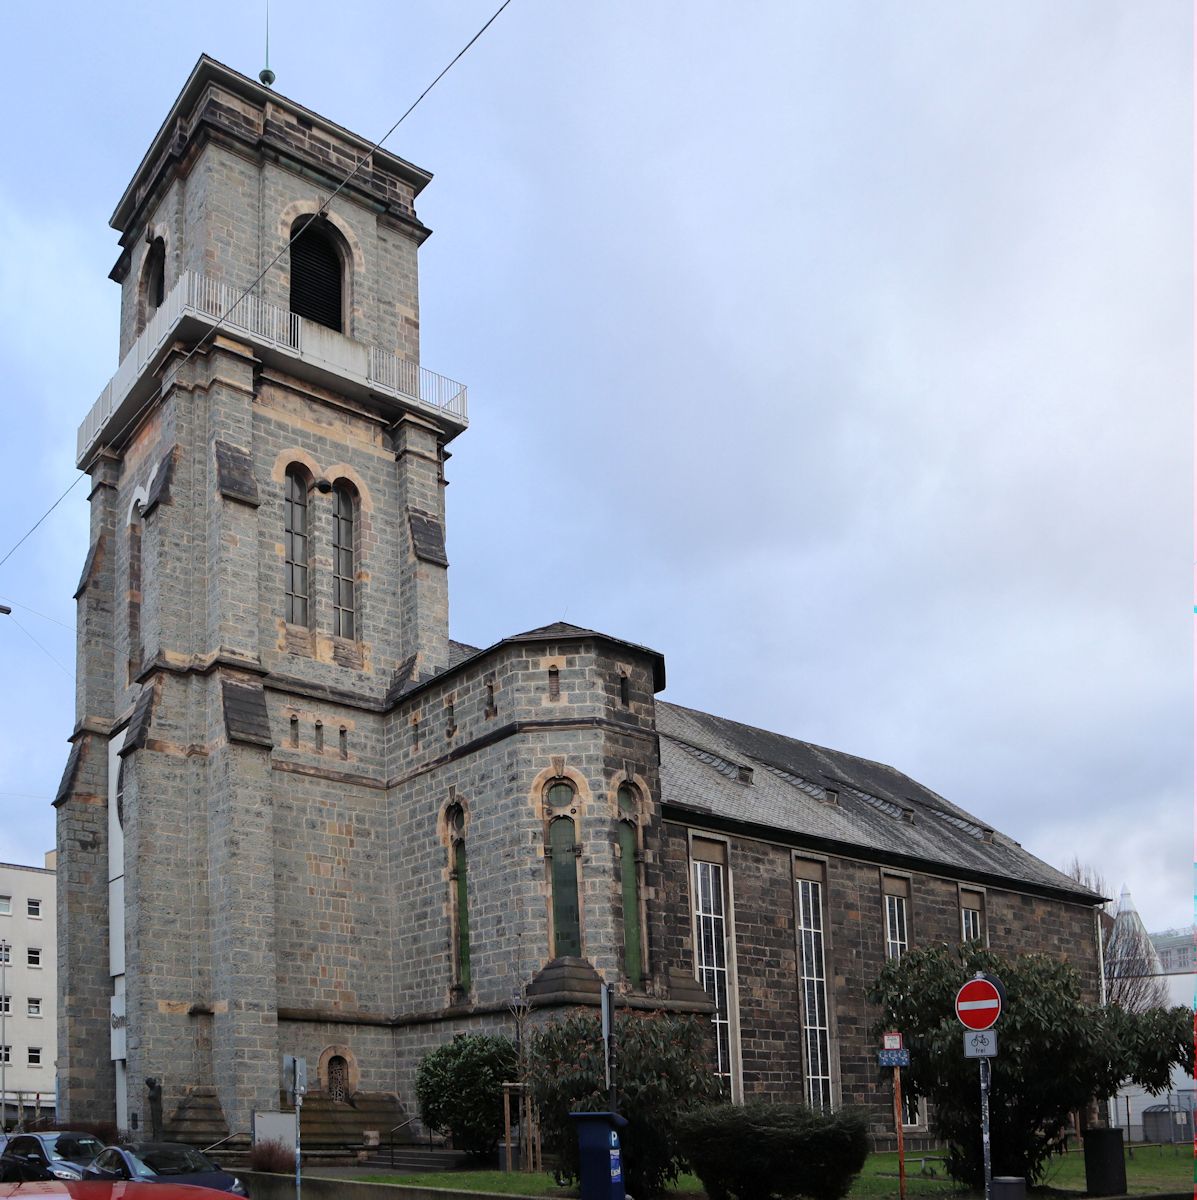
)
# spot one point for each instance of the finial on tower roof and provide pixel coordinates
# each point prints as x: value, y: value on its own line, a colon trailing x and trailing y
x: 266, y: 75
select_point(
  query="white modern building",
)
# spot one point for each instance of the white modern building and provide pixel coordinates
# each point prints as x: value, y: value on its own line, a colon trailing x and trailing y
x: 28, y: 987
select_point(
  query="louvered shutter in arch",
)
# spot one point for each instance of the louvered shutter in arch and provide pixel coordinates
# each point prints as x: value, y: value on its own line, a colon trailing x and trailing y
x: 316, y: 277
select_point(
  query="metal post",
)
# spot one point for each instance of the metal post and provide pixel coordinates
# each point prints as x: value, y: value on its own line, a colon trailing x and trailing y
x: 1130, y: 1150
x: 984, y: 1065
x: 898, y: 1126
x: 298, y: 1114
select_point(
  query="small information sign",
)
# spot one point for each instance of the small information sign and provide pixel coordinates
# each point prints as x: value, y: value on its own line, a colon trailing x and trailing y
x: 980, y: 1043
x: 894, y: 1058
x: 891, y: 1041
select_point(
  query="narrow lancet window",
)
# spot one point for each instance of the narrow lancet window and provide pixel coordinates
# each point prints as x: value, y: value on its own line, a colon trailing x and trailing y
x: 567, y: 932
x: 295, y: 550
x: 343, y: 563
x: 461, y: 912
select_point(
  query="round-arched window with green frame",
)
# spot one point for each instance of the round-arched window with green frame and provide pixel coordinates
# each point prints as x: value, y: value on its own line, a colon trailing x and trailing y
x: 567, y: 933
x: 629, y: 876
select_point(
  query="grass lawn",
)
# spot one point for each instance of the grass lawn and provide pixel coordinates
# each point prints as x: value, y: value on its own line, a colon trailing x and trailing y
x: 1152, y: 1169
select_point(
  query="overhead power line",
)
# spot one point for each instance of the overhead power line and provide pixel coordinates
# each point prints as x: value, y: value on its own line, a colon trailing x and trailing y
x: 262, y: 274
x: 64, y: 670
x: 34, y: 612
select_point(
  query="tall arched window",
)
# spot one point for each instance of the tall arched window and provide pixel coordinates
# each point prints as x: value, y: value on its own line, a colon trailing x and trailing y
x: 295, y: 550
x: 567, y: 932
x: 343, y: 561
x: 155, y: 277
x: 316, y: 273
x: 458, y: 874
x: 629, y: 875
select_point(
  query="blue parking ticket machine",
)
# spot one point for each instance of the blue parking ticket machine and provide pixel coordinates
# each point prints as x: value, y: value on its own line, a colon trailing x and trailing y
x: 599, y: 1156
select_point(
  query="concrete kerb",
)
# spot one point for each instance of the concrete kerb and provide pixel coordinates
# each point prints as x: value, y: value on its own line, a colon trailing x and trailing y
x: 265, y: 1186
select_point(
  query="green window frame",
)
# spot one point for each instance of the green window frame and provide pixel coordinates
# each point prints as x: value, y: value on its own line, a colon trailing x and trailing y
x: 567, y: 931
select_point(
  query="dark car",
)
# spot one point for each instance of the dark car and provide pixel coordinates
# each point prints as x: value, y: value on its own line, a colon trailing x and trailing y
x: 162, y: 1162
x: 57, y: 1154
x: 76, y: 1189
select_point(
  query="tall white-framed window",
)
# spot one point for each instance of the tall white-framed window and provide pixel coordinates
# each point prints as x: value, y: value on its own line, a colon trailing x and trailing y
x: 972, y: 915
x: 896, y: 894
x: 35, y: 1056
x: 33, y: 956
x: 33, y: 1006
x: 714, y: 950
x: 5, y: 906
x: 812, y: 975
x: 33, y: 908
x: 5, y: 1004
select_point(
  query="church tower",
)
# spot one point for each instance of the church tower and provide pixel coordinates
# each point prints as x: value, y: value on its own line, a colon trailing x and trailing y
x: 267, y: 563
x: 296, y: 818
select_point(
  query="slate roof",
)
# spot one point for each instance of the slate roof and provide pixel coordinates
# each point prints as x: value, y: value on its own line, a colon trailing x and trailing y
x: 733, y: 773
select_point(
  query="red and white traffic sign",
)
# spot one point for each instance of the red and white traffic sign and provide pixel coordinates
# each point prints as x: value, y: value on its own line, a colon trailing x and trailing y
x: 978, y: 1004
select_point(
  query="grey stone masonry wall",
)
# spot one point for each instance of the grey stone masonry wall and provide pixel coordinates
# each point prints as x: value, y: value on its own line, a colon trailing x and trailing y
x: 227, y: 207
x: 770, y: 1022
x: 85, y: 1074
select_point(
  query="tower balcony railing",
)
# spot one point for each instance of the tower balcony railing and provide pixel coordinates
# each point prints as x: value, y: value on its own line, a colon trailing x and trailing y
x: 198, y: 301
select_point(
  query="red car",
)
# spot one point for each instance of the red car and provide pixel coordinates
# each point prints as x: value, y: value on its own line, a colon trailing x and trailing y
x: 72, y: 1189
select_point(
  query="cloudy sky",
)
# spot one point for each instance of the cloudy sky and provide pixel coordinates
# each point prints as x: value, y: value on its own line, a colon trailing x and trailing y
x: 841, y: 352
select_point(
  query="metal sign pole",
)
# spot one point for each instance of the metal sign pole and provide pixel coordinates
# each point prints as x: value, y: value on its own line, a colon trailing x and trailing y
x: 984, y: 1064
x: 299, y: 1086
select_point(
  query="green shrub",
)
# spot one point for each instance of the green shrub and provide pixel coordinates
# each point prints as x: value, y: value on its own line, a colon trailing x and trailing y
x: 762, y: 1151
x: 663, y: 1066
x: 460, y: 1089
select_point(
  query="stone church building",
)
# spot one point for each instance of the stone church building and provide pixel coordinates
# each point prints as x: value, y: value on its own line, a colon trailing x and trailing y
x: 298, y: 818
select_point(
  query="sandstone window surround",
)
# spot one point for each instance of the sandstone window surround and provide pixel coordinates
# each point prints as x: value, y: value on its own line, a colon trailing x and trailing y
x: 631, y: 859
x: 809, y: 885
x: 152, y: 286
x: 715, y: 952
x: 562, y: 854
x: 896, y: 893
x: 972, y: 915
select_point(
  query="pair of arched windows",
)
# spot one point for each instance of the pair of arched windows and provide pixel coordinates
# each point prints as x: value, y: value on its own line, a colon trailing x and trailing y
x: 563, y: 852
x: 297, y: 552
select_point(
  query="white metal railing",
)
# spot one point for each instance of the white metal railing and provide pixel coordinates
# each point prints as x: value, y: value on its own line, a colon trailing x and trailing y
x: 197, y: 295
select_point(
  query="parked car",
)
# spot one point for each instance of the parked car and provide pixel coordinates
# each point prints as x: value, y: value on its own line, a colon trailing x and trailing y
x: 162, y: 1162
x: 53, y: 1154
x: 75, y: 1189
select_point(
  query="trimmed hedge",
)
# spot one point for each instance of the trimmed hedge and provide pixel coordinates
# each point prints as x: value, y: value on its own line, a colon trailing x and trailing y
x: 762, y: 1151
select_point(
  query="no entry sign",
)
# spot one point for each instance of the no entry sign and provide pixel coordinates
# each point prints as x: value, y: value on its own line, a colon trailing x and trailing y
x: 978, y: 1004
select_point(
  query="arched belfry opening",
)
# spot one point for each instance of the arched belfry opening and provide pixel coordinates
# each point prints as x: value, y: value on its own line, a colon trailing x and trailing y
x: 317, y: 273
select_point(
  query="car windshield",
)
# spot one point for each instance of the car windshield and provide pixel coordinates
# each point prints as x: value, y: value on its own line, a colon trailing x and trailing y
x: 172, y: 1160
x: 75, y: 1149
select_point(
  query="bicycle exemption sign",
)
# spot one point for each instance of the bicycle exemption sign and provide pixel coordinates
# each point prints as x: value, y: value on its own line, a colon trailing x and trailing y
x: 980, y: 1043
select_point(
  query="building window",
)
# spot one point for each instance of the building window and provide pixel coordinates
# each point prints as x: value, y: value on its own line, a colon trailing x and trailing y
x: 34, y: 958
x: 5, y: 1004
x: 913, y: 1111
x: 563, y: 852
x: 5, y: 952
x: 5, y: 906
x: 629, y: 878
x: 33, y: 908
x: 33, y: 1006
x: 316, y: 284
x: 459, y: 878
x: 972, y: 916
x: 295, y: 551
x: 35, y: 1056
x: 133, y: 598
x: 813, y: 978
x: 896, y: 892
x: 155, y: 277
x: 711, y: 948
x: 5, y: 1054
x: 343, y: 561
